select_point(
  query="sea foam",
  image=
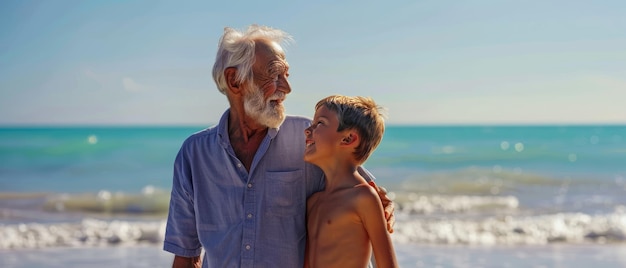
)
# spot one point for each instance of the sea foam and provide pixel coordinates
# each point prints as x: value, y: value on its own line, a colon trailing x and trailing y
x: 88, y: 232
x: 516, y: 230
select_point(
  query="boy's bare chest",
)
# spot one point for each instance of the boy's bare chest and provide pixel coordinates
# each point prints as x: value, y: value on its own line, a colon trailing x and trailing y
x: 330, y: 214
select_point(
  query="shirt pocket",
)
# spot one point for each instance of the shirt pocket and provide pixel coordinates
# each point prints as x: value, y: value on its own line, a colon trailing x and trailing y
x: 285, y: 193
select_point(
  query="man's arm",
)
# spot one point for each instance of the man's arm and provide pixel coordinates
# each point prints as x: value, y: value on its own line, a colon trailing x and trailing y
x: 388, y: 205
x: 187, y: 262
x: 181, y: 237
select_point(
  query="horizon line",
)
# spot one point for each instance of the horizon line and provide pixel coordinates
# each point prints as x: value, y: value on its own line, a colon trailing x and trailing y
x: 147, y: 125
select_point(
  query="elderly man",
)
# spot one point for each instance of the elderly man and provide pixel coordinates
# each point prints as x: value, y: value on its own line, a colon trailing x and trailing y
x: 240, y: 188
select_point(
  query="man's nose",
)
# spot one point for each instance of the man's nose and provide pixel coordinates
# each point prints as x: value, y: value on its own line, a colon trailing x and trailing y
x: 283, y: 84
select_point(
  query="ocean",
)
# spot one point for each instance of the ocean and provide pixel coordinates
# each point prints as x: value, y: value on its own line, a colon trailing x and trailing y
x: 466, y: 196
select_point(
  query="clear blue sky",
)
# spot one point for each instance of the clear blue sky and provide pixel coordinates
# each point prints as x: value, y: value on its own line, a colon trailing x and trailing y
x: 429, y: 62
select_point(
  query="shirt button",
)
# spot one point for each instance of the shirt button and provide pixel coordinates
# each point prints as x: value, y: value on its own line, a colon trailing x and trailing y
x: 249, y: 185
x: 247, y: 247
x: 239, y: 165
x: 249, y: 215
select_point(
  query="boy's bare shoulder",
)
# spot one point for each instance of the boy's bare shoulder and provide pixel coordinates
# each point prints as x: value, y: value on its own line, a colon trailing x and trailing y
x: 365, y: 191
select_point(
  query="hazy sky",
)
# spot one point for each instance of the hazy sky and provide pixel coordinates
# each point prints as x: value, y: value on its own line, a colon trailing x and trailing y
x: 428, y: 62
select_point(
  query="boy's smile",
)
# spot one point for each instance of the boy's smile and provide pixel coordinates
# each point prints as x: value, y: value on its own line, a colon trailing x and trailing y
x: 309, y: 143
x: 322, y: 136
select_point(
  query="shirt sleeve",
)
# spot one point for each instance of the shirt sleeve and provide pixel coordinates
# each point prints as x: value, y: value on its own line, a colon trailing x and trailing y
x: 181, y: 236
x: 366, y: 174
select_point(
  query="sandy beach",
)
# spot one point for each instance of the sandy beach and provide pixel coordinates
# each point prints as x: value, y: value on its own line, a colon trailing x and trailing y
x: 409, y: 255
x: 555, y: 255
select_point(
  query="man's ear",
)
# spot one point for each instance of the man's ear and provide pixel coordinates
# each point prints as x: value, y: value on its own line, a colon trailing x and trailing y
x: 231, y: 80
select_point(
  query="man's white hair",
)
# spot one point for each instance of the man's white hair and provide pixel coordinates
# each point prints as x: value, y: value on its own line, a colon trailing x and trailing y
x: 236, y: 49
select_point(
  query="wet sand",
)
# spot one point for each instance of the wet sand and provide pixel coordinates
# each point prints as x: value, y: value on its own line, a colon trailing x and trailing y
x: 409, y: 255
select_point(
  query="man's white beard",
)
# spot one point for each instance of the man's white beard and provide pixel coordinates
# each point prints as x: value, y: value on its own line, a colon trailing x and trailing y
x: 264, y: 111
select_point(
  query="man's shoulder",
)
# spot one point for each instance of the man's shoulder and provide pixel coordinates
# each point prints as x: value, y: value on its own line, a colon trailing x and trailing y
x: 296, y: 120
x: 203, y: 135
x: 294, y: 124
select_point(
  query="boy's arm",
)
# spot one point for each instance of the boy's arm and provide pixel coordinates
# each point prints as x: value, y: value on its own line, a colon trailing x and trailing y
x: 388, y: 205
x: 370, y: 210
x: 309, y: 203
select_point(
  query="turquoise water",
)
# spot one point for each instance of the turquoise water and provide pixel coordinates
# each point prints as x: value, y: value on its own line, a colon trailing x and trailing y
x: 87, y: 159
x: 452, y: 185
x: 128, y: 159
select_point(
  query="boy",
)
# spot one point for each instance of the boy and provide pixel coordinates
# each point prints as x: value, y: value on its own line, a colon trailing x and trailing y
x: 346, y: 220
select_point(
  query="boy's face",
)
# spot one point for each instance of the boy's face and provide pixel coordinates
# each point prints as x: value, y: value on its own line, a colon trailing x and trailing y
x: 322, y: 138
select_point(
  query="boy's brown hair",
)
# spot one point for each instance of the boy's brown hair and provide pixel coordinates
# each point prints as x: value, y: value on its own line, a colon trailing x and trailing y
x: 361, y: 114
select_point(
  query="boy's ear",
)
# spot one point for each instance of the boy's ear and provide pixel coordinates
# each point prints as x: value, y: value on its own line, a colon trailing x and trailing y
x: 350, y: 138
x: 231, y: 80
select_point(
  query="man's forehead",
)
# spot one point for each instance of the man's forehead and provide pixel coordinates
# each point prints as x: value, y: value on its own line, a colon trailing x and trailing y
x: 268, y: 47
x: 269, y: 57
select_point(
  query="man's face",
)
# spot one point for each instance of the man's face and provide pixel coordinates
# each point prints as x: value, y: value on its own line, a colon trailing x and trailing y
x: 269, y: 88
x: 269, y: 112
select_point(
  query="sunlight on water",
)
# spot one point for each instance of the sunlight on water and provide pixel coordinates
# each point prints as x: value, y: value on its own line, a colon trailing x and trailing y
x: 447, y: 149
x: 92, y: 139
x: 504, y: 145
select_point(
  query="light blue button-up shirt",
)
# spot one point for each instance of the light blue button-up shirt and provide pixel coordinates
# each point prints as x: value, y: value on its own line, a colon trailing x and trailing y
x: 241, y: 218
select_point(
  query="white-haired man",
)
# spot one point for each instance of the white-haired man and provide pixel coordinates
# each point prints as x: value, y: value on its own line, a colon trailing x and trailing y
x: 240, y: 188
